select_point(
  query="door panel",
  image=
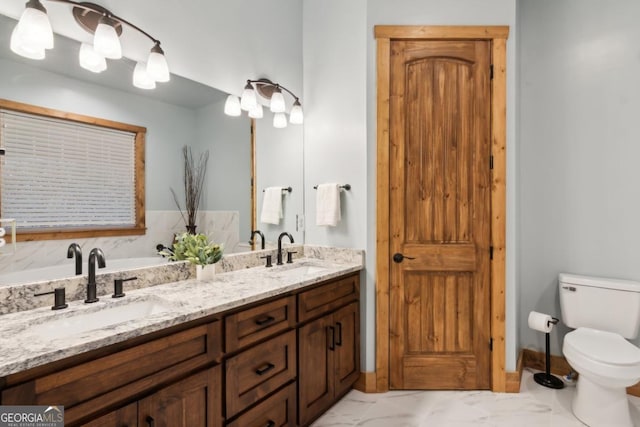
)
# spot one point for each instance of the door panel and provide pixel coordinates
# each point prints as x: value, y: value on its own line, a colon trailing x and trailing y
x: 440, y: 214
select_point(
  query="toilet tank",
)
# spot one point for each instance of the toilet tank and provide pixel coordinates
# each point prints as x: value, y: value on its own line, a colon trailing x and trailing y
x: 611, y: 305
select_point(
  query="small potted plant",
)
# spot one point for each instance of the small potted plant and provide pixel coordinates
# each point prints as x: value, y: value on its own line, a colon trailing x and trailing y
x: 196, y: 249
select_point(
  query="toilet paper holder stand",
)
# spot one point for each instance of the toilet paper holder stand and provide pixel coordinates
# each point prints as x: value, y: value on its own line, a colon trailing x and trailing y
x: 545, y: 378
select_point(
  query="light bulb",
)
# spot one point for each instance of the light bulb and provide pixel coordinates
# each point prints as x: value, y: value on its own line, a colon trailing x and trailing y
x: 277, y: 101
x: 26, y: 51
x: 279, y: 120
x: 91, y: 60
x: 142, y: 79
x: 105, y: 40
x: 157, y: 66
x: 248, y: 100
x: 296, y: 116
x: 232, y: 106
x: 256, y: 112
x: 33, y: 32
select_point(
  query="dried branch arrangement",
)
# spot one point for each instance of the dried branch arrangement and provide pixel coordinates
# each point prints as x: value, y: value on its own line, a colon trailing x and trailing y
x: 194, y: 174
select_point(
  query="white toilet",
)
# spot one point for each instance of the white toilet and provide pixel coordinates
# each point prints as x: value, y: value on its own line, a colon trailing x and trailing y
x: 603, y: 312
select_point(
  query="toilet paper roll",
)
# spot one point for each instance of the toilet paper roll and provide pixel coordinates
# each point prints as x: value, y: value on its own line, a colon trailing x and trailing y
x: 2, y: 231
x: 540, y: 321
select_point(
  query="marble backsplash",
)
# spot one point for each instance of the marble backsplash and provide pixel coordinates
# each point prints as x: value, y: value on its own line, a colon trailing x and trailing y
x: 21, y: 297
x: 220, y: 226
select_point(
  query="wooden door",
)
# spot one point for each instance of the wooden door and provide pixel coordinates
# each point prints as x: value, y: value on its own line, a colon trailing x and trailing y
x: 193, y: 402
x: 316, y: 368
x: 440, y: 215
x: 347, y: 354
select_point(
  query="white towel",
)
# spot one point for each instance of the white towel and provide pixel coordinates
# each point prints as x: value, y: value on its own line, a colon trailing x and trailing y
x: 271, y: 206
x: 328, y: 204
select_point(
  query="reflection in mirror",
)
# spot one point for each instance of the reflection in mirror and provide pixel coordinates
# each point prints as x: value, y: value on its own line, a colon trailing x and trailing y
x: 175, y: 114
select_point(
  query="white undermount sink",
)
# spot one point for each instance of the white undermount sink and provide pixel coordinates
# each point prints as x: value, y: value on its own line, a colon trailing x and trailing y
x: 303, y: 270
x: 101, y: 317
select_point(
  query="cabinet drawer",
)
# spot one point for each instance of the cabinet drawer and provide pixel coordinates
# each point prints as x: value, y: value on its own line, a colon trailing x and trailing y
x: 276, y: 411
x: 107, y: 376
x: 254, y: 373
x: 252, y: 325
x: 328, y: 297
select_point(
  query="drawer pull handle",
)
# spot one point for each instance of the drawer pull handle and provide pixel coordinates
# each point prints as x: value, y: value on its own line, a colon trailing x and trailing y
x: 332, y: 343
x: 150, y: 421
x: 270, y: 424
x: 266, y: 368
x: 265, y: 320
x: 339, y: 340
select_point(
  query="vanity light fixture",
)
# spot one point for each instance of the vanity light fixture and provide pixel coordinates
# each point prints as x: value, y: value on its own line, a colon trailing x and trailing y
x: 33, y: 35
x: 271, y: 91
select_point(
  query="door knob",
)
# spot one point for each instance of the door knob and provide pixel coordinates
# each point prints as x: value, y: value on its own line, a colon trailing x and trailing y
x: 398, y: 257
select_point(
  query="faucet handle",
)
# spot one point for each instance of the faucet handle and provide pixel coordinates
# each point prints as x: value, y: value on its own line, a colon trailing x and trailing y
x: 290, y: 256
x: 117, y: 287
x: 58, y: 298
x: 269, y: 260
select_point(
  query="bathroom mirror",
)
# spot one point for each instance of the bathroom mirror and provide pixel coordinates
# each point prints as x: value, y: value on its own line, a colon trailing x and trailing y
x: 180, y: 112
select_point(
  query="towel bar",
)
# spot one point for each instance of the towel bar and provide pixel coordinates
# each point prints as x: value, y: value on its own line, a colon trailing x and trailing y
x: 287, y: 189
x: 346, y: 187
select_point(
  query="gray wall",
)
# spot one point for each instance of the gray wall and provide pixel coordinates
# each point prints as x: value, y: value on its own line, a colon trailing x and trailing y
x: 579, y: 198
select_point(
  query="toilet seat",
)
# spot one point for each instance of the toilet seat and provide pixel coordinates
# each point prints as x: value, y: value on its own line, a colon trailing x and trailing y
x: 607, y: 358
x: 603, y: 347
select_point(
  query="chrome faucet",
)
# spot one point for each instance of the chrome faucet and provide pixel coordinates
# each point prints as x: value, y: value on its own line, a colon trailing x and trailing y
x: 279, y: 255
x: 96, y: 254
x: 75, y: 249
x: 253, y: 233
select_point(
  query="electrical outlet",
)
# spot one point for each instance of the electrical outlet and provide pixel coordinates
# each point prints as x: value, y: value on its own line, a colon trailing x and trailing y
x: 299, y: 222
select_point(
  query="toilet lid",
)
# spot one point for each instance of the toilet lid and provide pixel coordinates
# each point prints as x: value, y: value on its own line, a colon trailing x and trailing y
x: 605, y: 347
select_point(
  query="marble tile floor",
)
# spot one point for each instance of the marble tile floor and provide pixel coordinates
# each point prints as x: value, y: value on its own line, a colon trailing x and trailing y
x: 534, y: 406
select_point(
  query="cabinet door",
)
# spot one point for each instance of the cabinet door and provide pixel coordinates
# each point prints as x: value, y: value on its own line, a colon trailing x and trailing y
x: 192, y: 402
x: 347, y: 354
x: 123, y: 417
x: 316, y: 345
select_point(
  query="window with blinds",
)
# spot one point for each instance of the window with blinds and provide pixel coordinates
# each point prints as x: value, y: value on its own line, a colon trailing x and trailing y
x: 68, y: 175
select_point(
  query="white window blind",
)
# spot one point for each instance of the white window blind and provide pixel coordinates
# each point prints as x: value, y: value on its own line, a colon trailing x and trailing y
x: 63, y: 174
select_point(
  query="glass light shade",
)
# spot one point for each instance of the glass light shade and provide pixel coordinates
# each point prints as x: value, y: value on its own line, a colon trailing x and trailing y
x: 296, y: 116
x: 279, y: 120
x: 277, y: 101
x: 248, y: 101
x: 157, y: 66
x: 106, y: 41
x: 256, y: 112
x: 91, y: 60
x: 33, y: 34
x: 142, y: 79
x: 232, y: 106
x: 25, y: 50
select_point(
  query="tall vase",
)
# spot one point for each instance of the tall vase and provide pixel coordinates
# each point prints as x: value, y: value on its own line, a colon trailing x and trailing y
x: 191, y: 229
x: 205, y: 272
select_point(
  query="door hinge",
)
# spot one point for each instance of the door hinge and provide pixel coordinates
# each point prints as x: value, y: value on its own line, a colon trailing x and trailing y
x: 490, y: 344
x: 490, y: 252
x: 491, y: 71
x: 491, y: 162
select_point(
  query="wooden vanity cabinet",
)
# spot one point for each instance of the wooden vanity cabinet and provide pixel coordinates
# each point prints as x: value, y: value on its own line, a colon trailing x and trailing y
x: 284, y: 361
x: 328, y: 347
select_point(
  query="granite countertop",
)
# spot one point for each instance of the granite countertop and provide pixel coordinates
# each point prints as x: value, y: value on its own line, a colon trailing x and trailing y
x: 40, y: 336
